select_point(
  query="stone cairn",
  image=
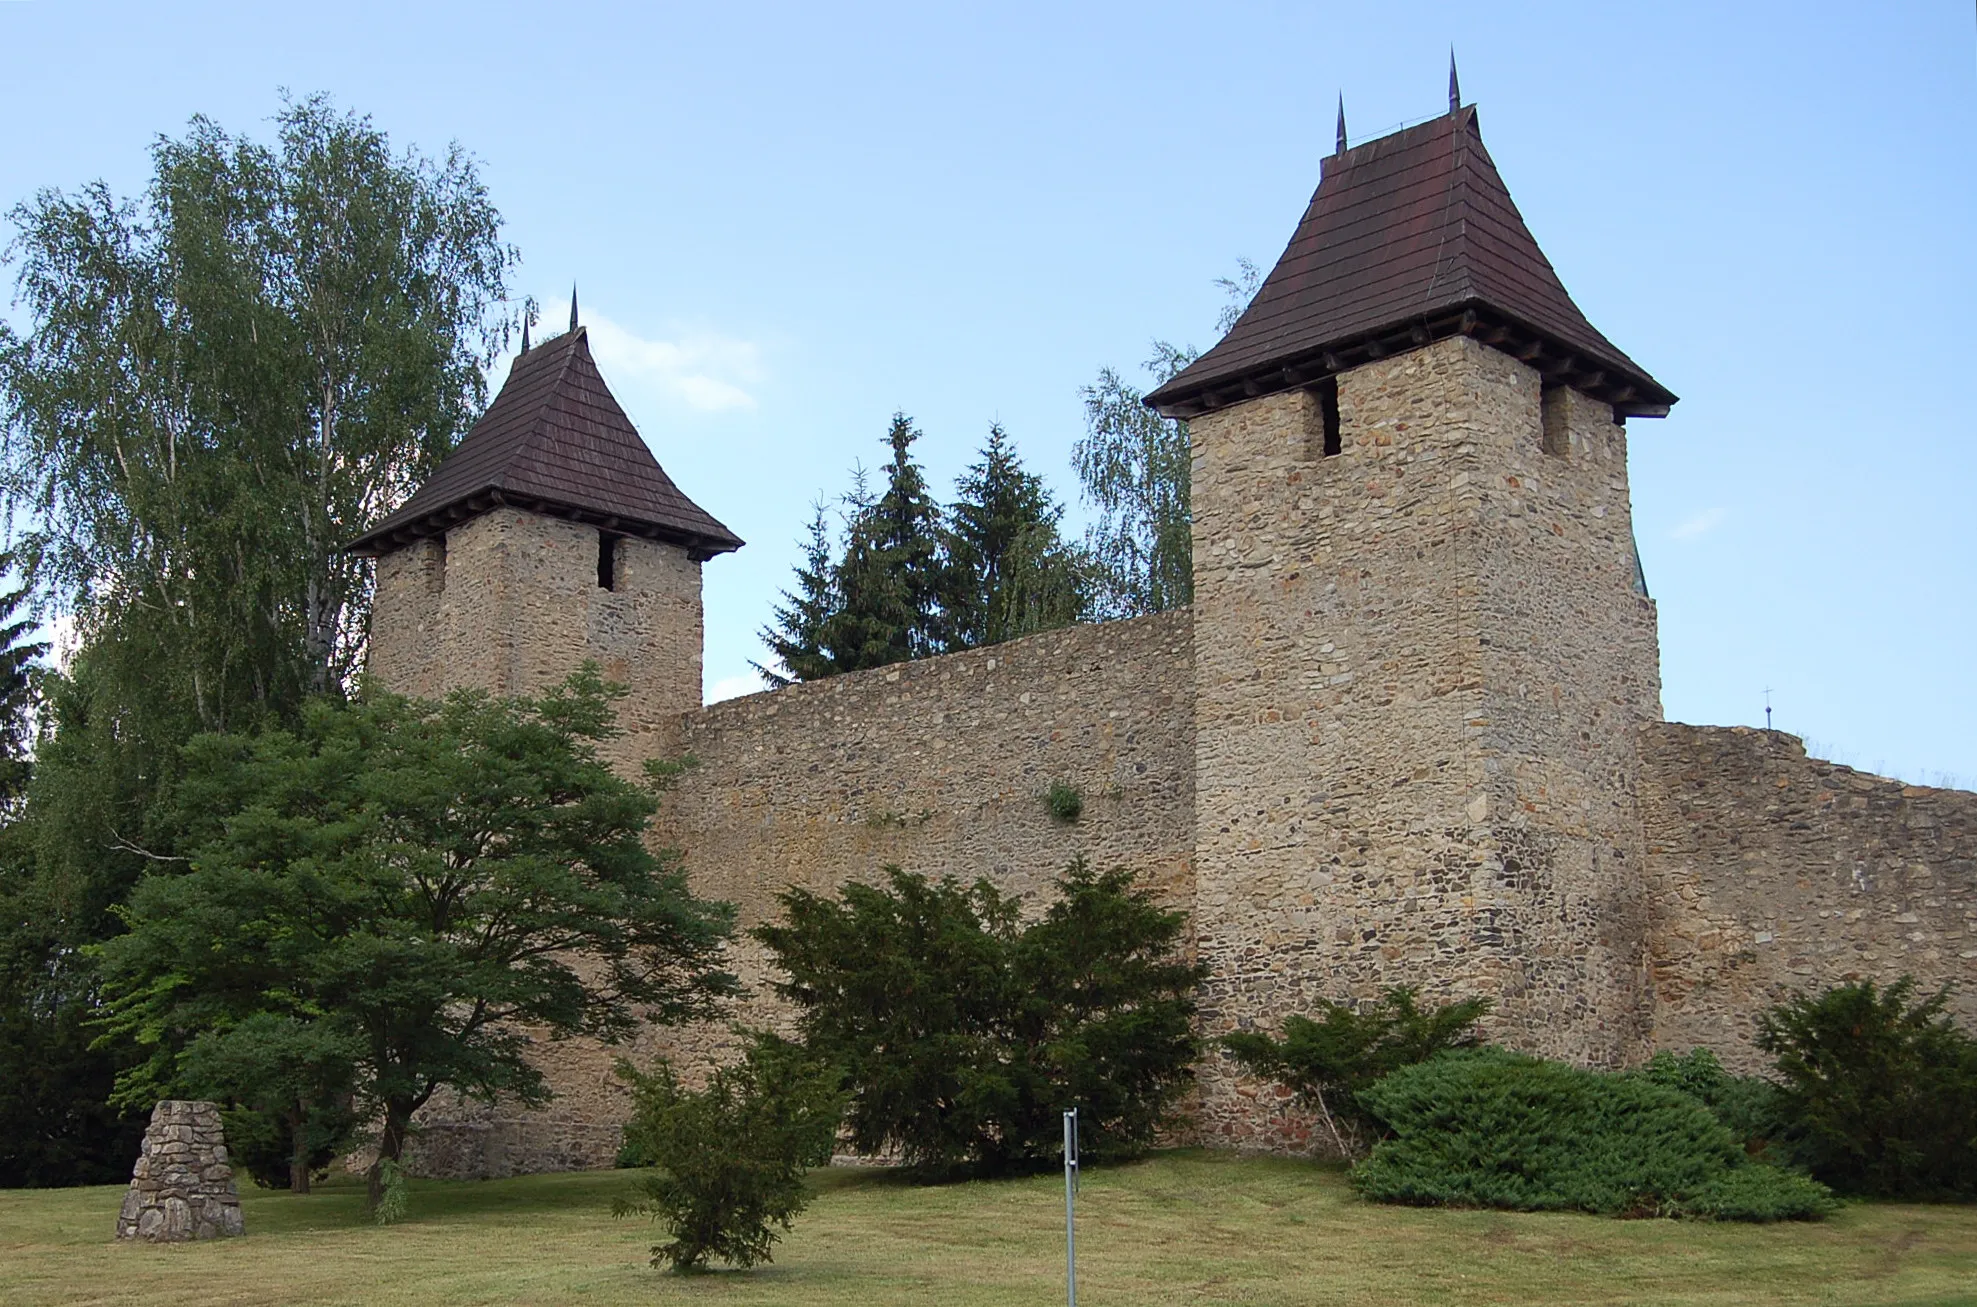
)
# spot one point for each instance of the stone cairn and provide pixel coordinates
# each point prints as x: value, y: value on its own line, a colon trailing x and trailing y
x: 182, y: 1186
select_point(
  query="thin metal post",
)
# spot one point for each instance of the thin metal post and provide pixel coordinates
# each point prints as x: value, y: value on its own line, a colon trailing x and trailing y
x: 1070, y: 1217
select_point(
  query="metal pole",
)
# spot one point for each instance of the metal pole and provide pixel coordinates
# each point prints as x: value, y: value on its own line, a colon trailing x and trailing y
x: 1070, y: 1218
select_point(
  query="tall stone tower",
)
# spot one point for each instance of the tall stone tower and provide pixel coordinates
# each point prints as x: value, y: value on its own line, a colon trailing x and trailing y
x: 550, y: 536
x: 1422, y: 643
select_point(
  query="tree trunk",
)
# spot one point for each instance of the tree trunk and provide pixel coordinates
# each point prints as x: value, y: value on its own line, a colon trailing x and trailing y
x: 391, y: 1145
x: 298, y: 1151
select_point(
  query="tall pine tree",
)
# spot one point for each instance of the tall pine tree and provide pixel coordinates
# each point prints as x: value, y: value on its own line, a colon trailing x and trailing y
x: 1008, y: 571
x: 803, y: 620
x: 888, y: 583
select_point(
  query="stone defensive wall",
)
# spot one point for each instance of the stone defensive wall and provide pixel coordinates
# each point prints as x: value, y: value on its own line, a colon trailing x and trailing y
x: 1771, y: 873
x: 939, y: 767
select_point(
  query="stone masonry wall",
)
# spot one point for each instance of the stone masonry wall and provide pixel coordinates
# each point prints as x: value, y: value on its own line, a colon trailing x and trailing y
x: 510, y: 604
x: 1772, y: 873
x: 938, y: 766
x: 1419, y: 663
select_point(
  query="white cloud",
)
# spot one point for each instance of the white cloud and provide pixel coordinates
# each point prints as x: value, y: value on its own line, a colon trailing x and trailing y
x: 702, y: 369
x: 1699, y: 525
x: 733, y: 687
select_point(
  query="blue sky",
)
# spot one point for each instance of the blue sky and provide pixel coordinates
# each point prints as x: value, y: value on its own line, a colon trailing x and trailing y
x: 790, y: 220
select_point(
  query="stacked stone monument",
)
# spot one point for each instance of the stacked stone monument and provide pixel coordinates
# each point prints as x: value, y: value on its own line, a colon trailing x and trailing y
x: 182, y: 1186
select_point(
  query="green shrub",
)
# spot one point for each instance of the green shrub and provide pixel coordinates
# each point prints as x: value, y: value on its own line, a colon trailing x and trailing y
x: 1880, y: 1090
x: 729, y: 1160
x: 965, y: 1033
x: 1486, y: 1128
x: 1750, y: 1106
x: 1064, y: 801
x: 1329, y: 1060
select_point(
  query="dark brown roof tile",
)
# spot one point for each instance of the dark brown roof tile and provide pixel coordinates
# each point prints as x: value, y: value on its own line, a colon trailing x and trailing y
x: 555, y: 441
x: 1410, y: 233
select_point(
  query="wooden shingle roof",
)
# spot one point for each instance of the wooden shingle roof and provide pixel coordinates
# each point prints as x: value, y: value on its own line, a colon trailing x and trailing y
x: 1409, y: 238
x: 556, y: 442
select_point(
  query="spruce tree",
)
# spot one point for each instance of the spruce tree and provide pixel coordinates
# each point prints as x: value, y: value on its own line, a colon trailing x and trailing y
x: 890, y: 578
x: 803, y: 622
x: 1008, y: 571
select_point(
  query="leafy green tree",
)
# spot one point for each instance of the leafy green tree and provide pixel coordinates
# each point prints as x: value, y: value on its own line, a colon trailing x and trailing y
x: 1008, y: 571
x: 1134, y: 466
x: 290, y: 1080
x: 964, y: 1033
x: 430, y: 873
x: 221, y: 381
x: 1332, y: 1060
x: 730, y: 1159
x: 1880, y: 1087
x: 228, y: 380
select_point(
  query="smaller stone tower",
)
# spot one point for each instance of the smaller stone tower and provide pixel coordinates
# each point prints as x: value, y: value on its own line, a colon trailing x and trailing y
x: 550, y: 536
x: 1422, y: 650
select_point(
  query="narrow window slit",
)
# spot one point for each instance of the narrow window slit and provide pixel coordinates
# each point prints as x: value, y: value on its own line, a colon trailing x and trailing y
x: 1553, y: 408
x: 1328, y: 409
x: 607, y: 560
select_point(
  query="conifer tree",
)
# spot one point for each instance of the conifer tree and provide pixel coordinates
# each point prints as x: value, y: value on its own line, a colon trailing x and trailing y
x: 1008, y: 571
x: 889, y: 581
x: 803, y: 621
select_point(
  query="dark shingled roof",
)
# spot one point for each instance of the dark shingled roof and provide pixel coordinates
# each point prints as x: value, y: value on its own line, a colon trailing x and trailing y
x: 1409, y: 238
x: 554, y: 441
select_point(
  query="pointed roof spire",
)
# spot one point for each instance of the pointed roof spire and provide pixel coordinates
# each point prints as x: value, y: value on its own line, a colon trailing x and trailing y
x: 573, y: 306
x: 1409, y: 238
x: 525, y: 329
x: 1454, y: 86
x: 554, y: 442
x: 1341, y: 149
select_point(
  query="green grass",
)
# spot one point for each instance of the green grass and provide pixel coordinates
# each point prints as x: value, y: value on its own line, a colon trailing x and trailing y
x: 1185, y: 1227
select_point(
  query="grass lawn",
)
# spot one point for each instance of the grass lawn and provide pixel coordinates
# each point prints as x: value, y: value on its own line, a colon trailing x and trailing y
x: 1187, y: 1227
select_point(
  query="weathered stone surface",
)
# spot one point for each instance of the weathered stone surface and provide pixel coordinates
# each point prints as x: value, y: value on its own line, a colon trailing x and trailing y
x: 1772, y: 873
x: 181, y: 1186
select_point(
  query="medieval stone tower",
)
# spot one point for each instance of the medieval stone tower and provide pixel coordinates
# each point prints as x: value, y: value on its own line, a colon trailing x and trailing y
x: 1408, y: 733
x: 550, y: 536
x: 1422, y: 651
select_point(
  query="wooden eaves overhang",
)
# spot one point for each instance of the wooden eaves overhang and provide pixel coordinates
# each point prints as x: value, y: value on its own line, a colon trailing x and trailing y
x: 556, y: 442
x: 1409, y: 239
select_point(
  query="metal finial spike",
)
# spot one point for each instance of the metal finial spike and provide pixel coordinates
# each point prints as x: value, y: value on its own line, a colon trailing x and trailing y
x: 573, y: 306
x: 1341, y: 148
x: 1454, y: 86
x: 525, y: 329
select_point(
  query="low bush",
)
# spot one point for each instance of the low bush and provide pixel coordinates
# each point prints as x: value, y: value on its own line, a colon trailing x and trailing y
x: 729, y: 1160
x: 1880, y: 1090
x: 1751, y: 1107
x: 1330, y: 1059
x: 964, y: 1032
x: 1487, y: 1128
